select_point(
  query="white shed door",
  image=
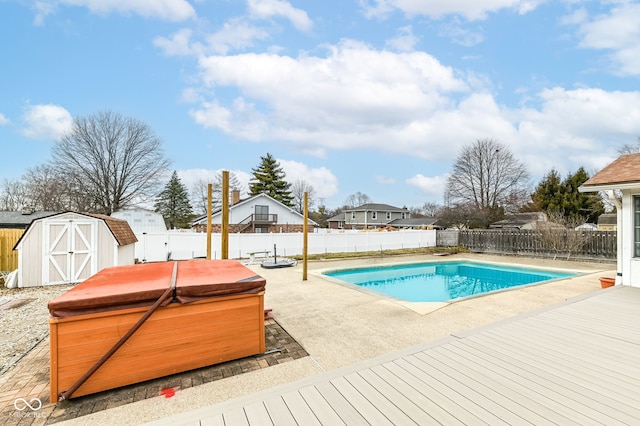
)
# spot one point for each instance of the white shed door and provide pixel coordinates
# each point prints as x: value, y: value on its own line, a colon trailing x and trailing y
x: 69, y: 251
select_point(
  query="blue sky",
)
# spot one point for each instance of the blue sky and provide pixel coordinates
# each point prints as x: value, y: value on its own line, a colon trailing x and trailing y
x: 371, y: 96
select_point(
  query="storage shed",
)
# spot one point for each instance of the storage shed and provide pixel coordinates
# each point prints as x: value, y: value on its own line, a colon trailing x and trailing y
x: 69, y: 247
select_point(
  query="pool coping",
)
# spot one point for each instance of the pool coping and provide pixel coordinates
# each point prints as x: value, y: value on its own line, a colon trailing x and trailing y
x: 425, y: 308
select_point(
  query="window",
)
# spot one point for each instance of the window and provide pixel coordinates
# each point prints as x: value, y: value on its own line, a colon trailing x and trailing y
x: 636, y: 226
x: 353, y: 215
x: 388, y: 215
x: 404, y: 215
x: 374, y: 215
x: 262, y: 212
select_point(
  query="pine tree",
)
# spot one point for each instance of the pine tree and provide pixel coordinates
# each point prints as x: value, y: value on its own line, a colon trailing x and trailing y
x: 269, y: 178
x: 173, y: 203
x: 555, y: 196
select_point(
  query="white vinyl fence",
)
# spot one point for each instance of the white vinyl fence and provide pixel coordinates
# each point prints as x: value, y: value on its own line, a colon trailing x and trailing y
x: 153, y: 247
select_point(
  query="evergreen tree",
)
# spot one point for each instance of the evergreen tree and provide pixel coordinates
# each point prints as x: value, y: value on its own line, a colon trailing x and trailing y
x: 555, y: 196
x: 548, y: 193
x: 269, y: 178
x: 173, y: 204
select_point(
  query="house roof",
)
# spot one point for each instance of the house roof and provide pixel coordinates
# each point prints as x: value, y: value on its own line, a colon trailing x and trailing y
x: 20, y: 220
x: 518, y: 220
x: 608, y: 219
x: 119, y: 228
x: 203, y: 219
x: 625, y: 170
x: 414, y: 222
x: 376, y: 207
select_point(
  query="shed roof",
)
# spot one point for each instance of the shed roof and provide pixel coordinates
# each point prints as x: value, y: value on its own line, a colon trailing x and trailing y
x: 119, y: 228
x: 624, y: 170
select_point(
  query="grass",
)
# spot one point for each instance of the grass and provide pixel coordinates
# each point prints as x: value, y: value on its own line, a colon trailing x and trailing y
x: 399, y: 252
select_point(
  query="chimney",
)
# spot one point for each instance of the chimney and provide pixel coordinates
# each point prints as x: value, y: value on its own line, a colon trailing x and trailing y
x: 235, y: 197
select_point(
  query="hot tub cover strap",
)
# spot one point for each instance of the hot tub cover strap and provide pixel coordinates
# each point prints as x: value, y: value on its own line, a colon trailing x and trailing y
x: 168, y: 294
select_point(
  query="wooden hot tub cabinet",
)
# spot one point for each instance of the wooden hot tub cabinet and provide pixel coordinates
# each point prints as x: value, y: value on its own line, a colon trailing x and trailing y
x: 215, y: 313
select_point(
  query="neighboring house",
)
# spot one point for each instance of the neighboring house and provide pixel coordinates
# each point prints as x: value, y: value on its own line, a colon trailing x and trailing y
x: 259, y: 213
x: 623, y: 175
x: 69, y: 247
x: 142, y: 220
x: 22, y: 219
x: 520, y: 221
x: 368, y: 216
x: 607, y: 222
x: 415, y: 223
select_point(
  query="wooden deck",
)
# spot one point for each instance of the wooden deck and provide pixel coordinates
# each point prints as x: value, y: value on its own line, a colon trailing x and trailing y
x: 575, y: 363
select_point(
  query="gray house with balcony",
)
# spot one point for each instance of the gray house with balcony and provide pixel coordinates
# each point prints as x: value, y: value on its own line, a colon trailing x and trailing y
x: 257, y: 214
x: 368, y: 216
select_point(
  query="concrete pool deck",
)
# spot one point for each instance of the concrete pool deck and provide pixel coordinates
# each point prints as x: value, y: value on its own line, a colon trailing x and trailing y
x: 338, y: 326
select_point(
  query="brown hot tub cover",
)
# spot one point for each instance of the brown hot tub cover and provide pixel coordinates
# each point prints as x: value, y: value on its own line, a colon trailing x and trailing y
x: 121, y: 287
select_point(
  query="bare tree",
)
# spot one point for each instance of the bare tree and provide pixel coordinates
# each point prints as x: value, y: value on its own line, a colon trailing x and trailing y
x: 628, y: 148
x: 486, y: 176
x: 201, y: 187
x: 116, y: 159
x: 298, y: 189
x: 356, y: 200
x: 14, y: 195
x: 558, y: 234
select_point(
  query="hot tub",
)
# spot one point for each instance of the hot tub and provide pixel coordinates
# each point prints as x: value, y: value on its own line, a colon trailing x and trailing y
x: 167, y: 318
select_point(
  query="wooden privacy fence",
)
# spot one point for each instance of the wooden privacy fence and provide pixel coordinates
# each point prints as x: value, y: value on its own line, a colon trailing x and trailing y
x: 9, y: 257
x: 591, y: 244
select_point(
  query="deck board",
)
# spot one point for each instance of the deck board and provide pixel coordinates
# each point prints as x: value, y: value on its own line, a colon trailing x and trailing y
x: 574, y: 363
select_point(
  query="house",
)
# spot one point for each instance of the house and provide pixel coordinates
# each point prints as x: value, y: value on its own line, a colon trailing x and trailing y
x: 622, y: 176
x: 520, y: 221
x: 607, y: 222
x: 259, y: 213
x: 21, y: 219
x: 415, y: 223
x: 142, y: 221
x: 69, y: 247
x: 368, y: 216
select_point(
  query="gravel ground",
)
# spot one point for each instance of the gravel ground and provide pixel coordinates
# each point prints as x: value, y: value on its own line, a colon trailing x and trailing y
x: 24, y: 326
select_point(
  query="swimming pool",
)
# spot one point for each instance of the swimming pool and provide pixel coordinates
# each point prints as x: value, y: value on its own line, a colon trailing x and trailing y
x: 443, y: 281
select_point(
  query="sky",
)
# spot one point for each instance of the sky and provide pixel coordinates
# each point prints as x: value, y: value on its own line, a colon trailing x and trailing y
x: 370, y: 96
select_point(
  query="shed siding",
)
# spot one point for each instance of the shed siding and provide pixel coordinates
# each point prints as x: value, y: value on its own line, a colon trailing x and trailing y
x: 30, y: 257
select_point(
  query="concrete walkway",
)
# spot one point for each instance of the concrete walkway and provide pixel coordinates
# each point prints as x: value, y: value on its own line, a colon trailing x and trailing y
x: 338, y: 325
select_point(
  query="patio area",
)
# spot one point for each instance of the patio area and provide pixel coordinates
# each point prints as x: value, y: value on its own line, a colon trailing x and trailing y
x: 572, y: 364
x: 343, y: 329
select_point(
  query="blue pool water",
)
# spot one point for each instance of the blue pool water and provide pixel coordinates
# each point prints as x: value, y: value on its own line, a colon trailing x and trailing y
x: 442, y: 282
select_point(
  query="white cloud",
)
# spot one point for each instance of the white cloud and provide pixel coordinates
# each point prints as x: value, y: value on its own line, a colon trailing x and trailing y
x: 323, y: 181
x: 236, y: 34
x: 617, y: 32
x: 361, y: 99
x: 42, y: 9
x: 179, y: 44
x: 168, y: 10
x: 385, y: 180
x: 429, y: 186
x: 265, y: 9
x: 4, y: 120
x: 354, y: 97
x: 46, y: 122
x: 459, y: 34
x: 405, y: 41
x: 469, y: 9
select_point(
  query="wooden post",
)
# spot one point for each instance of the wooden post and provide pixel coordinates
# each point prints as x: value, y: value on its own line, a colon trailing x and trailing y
x: 209, y: 202
x: 225, y: 215
x: 305, y: 237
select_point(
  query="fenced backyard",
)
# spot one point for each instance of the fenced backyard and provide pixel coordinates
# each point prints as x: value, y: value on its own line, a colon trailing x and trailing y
x: 583, y: 245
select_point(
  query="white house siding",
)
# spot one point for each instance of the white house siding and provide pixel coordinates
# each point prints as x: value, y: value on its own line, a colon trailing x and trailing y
x: 142, y: 220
